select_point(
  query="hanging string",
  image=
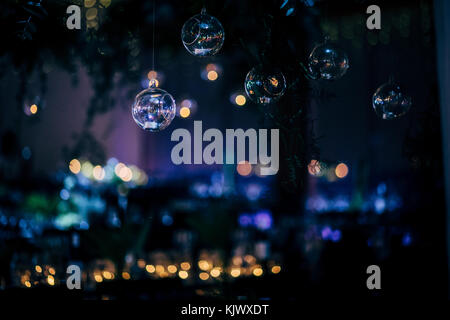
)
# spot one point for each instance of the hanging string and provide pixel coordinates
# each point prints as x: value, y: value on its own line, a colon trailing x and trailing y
x: 153, y: 46
x: 153, y: 81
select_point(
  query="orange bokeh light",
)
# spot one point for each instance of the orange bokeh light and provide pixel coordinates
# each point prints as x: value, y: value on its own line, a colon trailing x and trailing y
x: 341, y: 170
x: 244, y: 168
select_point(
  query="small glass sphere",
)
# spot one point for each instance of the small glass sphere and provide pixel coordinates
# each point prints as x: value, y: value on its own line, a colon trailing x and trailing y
x: 203, y: 35
x: 389, y: 101
x: 264, y: 87
x: 327, y: 61
x: 153, y: 109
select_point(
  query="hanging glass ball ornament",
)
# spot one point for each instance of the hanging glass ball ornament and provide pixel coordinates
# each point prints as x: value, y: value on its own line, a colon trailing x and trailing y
x: 328, y: 61
x: 153, y: 109
x: 390, y: 102
x: 203, y: 35
x: 264, y: 86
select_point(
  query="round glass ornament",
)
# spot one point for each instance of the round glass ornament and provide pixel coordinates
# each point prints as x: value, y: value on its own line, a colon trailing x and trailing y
x: 203, y: 35
x: 153, y: 109
x: 390, y: 102
x: 328, y: 61
x: 264, y: 86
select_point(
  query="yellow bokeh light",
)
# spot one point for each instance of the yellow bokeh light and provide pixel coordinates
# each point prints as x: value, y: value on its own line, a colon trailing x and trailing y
x: 51, y: 270
x: 98, y: 172
x: 89, y: 3
x: 172, y: 268
x: 215, y: 272
x: 86, y: 169
x: 341, y: 170
x: 105, y: 3
x: 125, y: 174
x: 141, y: 263
x: 136, y: 173
x: 185, y: 265
x: 240, y: 100
x: 28, y: 284
x: 38, y: 268
x: 183, y: 274
x: 185, y: 112
x: 235, y: 272
x: 118, y: 167
x: 98, y: 278
x: 126, y: 276
x: 142, y: 179
x: 107, y: 275
x: 33, y: 109
x: 250, y: 259
x: 51, y: 280
x: 203, y: 265
x: 257, y: 272
x: 91, y: 13
x: 159, y: 268
x: 276, y: 269
x: 75, y: 166
x: 237, y: 261
x: 203, y: 276
x: 212, y: 75
x: 150, y: 268
x: 244, y: 168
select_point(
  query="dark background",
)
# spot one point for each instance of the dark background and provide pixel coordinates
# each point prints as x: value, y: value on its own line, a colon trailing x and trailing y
x: 389, y: 210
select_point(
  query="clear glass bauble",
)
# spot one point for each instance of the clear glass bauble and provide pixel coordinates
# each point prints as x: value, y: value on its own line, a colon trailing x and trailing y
x: 264, y: 86
x: 390, y: 102
x: 202, y: 35
x: 153, y: 109
x: 328, y: 61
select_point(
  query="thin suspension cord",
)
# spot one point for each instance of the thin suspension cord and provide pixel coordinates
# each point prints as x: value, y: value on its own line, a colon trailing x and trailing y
x: 153, y: 54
